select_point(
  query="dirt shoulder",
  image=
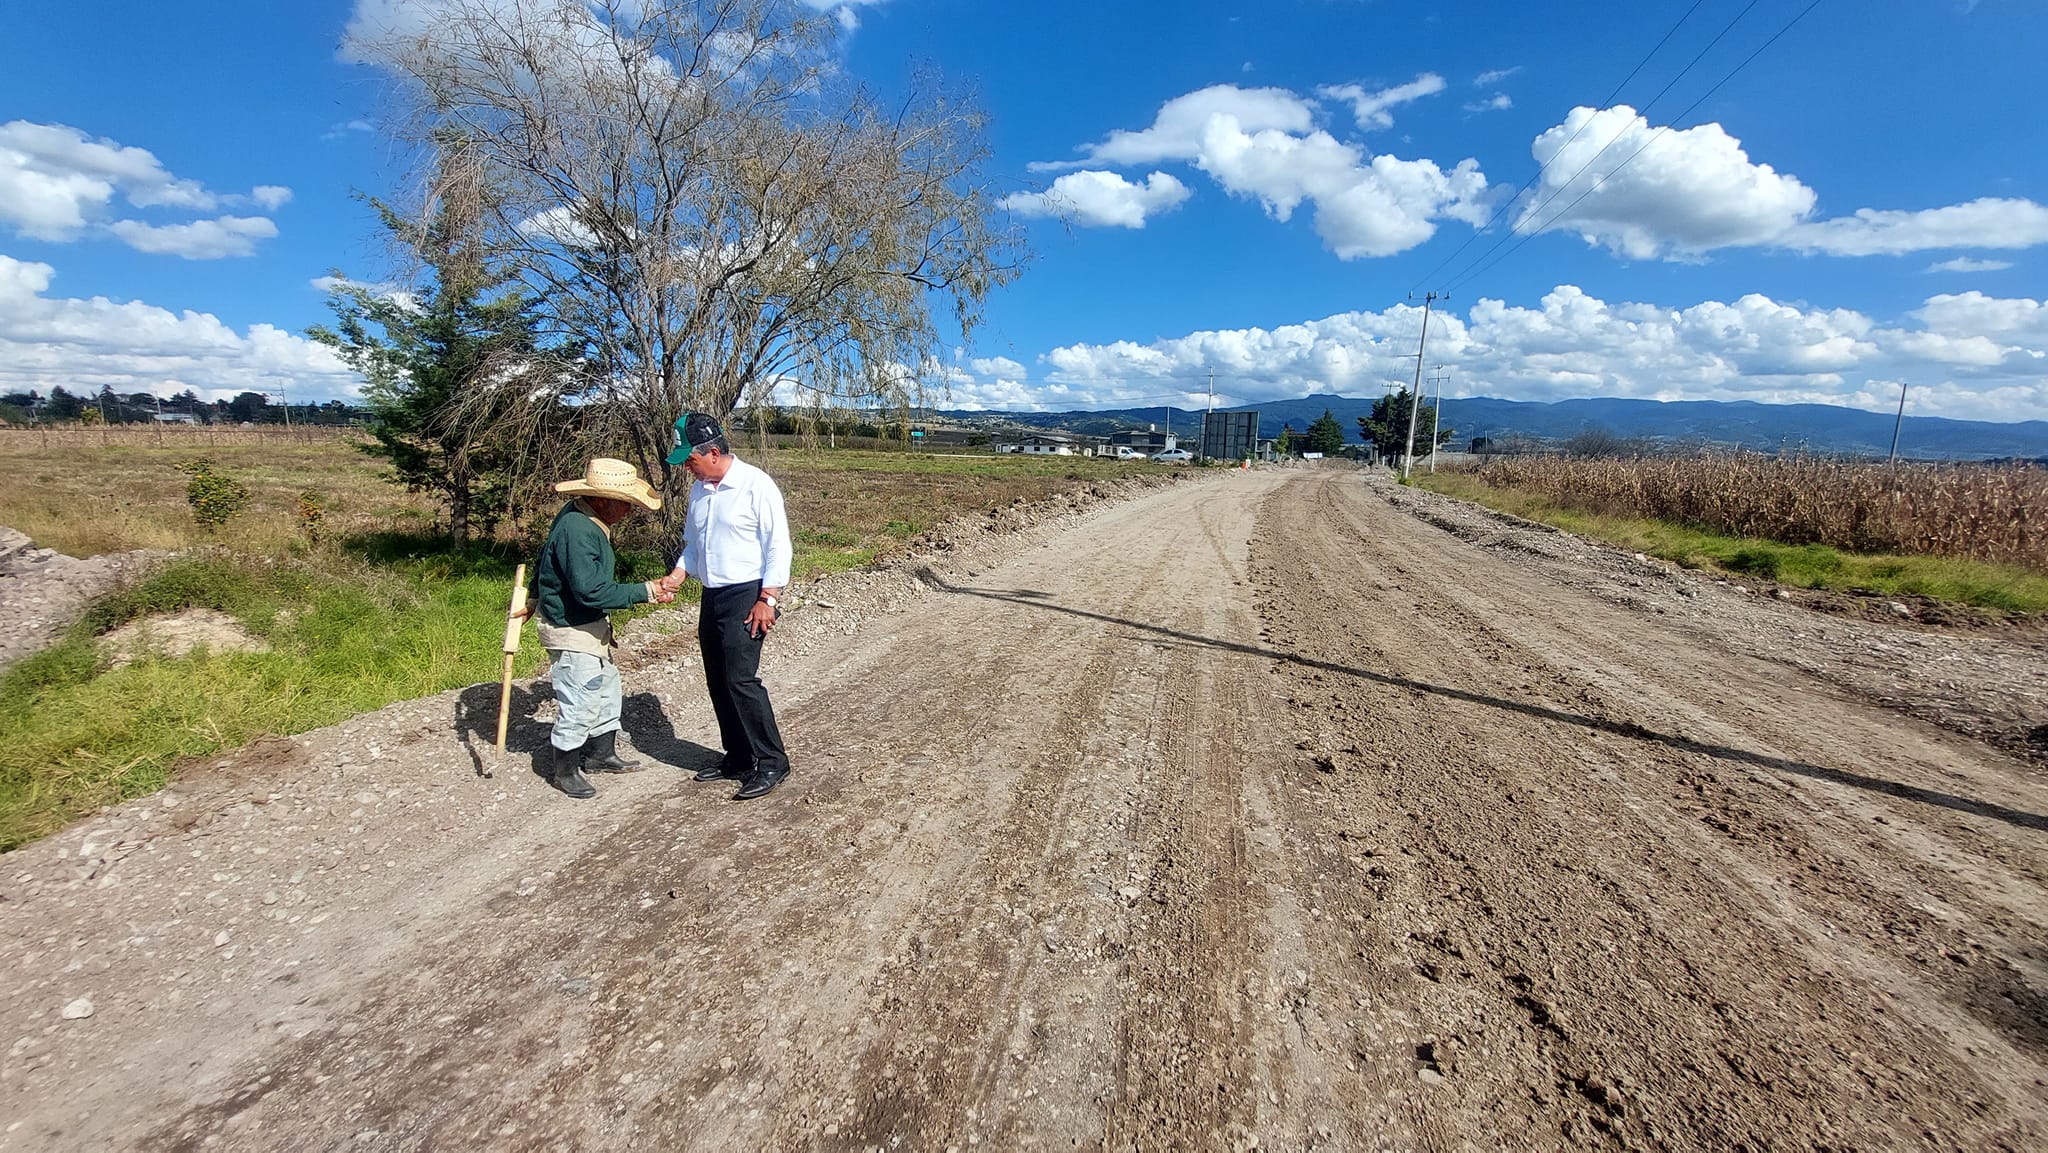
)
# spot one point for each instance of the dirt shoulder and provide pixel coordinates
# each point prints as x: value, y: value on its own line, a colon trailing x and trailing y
x: 1282, y: 808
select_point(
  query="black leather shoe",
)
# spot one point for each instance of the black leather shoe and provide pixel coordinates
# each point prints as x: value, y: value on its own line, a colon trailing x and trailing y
x: 601, y: 755
x: 759, y: 785
x: 722, y: 771
x: 567, y: 774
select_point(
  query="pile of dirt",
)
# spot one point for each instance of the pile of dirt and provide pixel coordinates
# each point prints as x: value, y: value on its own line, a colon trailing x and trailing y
x: 178, y: 635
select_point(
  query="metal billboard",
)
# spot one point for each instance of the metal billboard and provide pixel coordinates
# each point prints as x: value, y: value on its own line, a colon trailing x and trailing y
x: 1230, y: 435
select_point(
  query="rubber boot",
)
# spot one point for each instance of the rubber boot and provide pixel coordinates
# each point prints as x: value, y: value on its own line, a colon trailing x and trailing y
x: 601, y: 755
x: 568, y: 773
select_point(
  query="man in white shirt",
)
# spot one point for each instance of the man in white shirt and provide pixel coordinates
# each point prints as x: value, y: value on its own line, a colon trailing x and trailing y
x: 736, y: 543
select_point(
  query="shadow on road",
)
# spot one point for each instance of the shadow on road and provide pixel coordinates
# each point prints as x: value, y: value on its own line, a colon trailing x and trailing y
x: 1969, y: 805
x: 646, y: 724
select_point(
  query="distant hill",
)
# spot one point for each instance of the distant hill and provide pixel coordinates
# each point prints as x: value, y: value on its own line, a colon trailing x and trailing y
x: 1819, y: 428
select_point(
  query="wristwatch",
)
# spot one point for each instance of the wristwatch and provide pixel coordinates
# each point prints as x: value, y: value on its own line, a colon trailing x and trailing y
x: 770, y: 599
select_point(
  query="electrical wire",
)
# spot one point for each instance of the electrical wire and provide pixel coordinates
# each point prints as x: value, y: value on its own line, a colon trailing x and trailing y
x: 1467, y: 276
x: 1545, y: 167
x: 1532, y: 213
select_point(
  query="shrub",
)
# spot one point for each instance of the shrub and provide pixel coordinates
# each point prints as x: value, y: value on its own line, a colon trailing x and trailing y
x: 214, y: 496
x: 312, y: 516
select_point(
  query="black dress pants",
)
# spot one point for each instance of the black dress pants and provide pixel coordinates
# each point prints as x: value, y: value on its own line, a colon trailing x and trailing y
x: 732, y: 664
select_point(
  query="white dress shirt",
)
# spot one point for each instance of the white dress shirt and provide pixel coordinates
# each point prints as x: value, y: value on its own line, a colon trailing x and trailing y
x: 735, y: 531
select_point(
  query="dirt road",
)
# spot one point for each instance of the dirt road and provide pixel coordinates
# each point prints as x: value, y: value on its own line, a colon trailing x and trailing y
x: 1282, y: 809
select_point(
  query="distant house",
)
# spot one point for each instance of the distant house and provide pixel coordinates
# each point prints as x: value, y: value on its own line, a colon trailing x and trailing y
x: 1147, y: 440
x: 1047, y: 444
x: 176, y: 418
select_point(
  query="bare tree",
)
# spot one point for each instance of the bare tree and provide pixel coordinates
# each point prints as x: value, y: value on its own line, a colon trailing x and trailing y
x: 690, y: 191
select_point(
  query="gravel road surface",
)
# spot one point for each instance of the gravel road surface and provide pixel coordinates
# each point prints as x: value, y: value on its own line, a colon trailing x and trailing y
x: 1284, y: 809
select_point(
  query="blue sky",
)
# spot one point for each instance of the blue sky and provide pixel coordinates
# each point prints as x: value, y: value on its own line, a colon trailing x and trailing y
x: 1253, y: 190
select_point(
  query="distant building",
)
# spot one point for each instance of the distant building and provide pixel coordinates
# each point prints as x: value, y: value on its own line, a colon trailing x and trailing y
x: 175, y: 418
x: 1147, y: 441
x: 1045, y: 444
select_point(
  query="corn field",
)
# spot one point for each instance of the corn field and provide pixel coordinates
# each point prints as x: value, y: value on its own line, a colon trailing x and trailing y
x: 1986, y: 512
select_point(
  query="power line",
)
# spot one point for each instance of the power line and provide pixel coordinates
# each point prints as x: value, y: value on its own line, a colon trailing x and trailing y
x: 1545, y: 166
x: 1467, y: 276
x: 1532, y: 213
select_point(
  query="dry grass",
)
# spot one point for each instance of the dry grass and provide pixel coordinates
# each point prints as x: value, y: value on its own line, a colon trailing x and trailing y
x: 84, y: 492
x: 1982, y: 512
x: 897, y: 494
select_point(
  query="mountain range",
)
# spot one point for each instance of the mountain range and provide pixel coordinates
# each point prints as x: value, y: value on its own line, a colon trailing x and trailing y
x: 1819, y: 428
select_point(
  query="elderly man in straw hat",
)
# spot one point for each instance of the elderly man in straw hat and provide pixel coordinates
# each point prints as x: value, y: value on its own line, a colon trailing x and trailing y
x: 574, y: 594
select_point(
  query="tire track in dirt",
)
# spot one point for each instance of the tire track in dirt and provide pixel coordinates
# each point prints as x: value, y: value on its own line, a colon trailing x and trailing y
x: 1943, y: 859
x: 1632, y: 942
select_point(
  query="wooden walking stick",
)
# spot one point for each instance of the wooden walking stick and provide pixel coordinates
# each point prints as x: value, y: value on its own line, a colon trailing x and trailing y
x: 514, y: 618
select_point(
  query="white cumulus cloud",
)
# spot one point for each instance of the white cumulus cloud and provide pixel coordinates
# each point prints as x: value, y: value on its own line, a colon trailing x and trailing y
x: 199, y: 239
x: 1984, y: 223
x: 1969, y: 355
x: 1374, y: 109
x: 1102, y: 199
x: 1966, y: 264
x: 85, y: 345
x: 58, y: 184
x: 1178, y: 130
x: 1645, y: 191
x: 999, y: 366
x: 1262, y: 144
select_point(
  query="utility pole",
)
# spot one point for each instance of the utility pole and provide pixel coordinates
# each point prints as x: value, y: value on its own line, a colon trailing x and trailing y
x: 1436, y: 419
x: 1415, y: 397
x: 1202, y: 442
x: 1898, y: 421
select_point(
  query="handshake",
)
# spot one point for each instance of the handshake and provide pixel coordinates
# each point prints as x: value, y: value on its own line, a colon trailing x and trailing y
x: 663, y: 591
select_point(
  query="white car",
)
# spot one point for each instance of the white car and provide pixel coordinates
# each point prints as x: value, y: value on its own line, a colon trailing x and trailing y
x: 1173, y: 456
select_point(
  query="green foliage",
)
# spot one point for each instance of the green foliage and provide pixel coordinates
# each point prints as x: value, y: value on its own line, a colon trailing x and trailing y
x: 433, y: 361
x: 344, y: 638
x: 215, y: 497
x: 1325, y: 435
x: 1385, y: 428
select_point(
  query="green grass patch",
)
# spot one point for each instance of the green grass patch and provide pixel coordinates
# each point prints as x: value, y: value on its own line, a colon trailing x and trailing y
x: 2002, y: 587
x: 343, y: 639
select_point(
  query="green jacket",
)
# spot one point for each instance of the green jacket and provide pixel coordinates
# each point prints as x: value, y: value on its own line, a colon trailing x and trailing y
x: 575, y: 580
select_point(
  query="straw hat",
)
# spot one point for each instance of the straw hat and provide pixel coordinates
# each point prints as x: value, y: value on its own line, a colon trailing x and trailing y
x: 614, y: 480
